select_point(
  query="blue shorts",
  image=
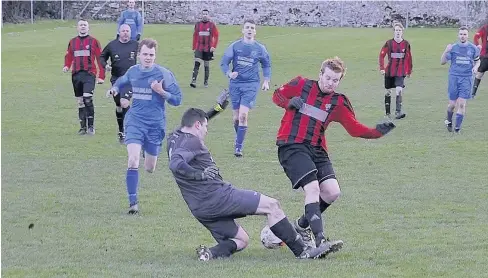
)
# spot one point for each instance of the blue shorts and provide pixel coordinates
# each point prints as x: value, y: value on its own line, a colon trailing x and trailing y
x: 150, y: 139
x: 243, y: 94
x: 459, y: 87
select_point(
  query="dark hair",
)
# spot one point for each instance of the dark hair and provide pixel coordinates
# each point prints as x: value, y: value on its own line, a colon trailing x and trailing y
x: 205, y: 10
x: 193, y: 115
x: 149, y: 43
x: 463, y: 28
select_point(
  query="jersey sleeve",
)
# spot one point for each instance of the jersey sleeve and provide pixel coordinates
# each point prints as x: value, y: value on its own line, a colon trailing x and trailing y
x: 68, y: 57
x: 265, y: 63
x: 105, y: 56
x: 215, y: 36
x: 408, y: 60
x: 226, y: 59
x: 180, y: 157
x: 479, y: 35
x: 383, y: 52
x: 283, y: 94
x: 171, y: 86
x: 98, y: 53
x: 195, y: 37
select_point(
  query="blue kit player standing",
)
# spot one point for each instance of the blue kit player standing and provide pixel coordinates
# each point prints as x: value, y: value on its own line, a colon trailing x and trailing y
x: 216, y: 204
x: 145, y: 122
x: 132, y: 18
x: 245, y: 55
x: 465, y: 60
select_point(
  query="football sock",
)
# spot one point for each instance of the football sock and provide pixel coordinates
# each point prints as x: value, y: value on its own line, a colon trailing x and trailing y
x: 303, y: 222
x: 132, y: 180
x: 459, y: 121
x: 314, y: 217
x: 119, y: 113
x: 285, y: 231
x: 449, y: 115
x: 82, y: 116
x: 195, y: 70
x: 223, y: 249
x: 387, y: 104
x: 475, y: 85
x: 207, y: 74
x: 241, y: 134
x: 398, y: 103
x: 236, y: 125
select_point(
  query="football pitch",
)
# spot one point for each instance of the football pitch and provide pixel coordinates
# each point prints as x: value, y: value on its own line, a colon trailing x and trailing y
x: 413, y: 204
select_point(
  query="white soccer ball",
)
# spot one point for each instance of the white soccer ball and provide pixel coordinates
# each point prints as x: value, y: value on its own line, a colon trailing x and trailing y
x: 269, y: 240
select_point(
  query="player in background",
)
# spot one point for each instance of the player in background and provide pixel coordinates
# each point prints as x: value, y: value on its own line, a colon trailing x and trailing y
x: 132, y: 18
x: 245, y: 55
x: 465, y: 60
x: 145, y: 122
x: 205, y: 40
x: 216, y: 204
x: 399, y: 65
x: 122, y: 53
x: 83, y: 57
x: 310, y: 106
x: 482, y: 35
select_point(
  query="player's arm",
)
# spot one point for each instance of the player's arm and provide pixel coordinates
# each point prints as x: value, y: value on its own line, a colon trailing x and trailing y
x: 266, y: 64
x: 408, y: 59
x: 476, y: 58
x: 215, y: 36
x: 120, y: 82
x: 383, y: 52
x: 98, y: 52
x: 140, y: 25
x: 446, y: 55
x: 226, y: 59
x: 180, y: 157
x: 195, y: 37
x: 479, y: 35
x: 68, y: 57
x: 105, y: 56
x: 171, y: 89
x: 222, y: 102
x: 283, y: 95
x: 344, y: 114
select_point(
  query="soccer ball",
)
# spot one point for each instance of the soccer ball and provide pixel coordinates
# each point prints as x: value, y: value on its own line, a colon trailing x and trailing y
x: 269, y: 240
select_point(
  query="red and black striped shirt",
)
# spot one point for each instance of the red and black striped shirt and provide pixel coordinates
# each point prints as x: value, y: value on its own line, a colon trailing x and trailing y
x: 320, y: 109
x: 482, y: 35
x: 81, y: 55
x: 205, y: 36
x: 399, y: 58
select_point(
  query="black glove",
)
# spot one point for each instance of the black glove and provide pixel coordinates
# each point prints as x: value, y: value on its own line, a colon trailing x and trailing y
x: 385, y: 127
x: 222, y: 99
x: 295, y: 102
x: 210, y: 173
x: 138, y: 37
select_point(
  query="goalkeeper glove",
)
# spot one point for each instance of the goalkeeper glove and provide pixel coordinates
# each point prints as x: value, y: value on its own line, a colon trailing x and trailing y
x: 385, y: 127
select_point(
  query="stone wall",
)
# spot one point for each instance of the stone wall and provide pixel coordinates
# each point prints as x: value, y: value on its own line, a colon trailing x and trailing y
x: 304, y: 13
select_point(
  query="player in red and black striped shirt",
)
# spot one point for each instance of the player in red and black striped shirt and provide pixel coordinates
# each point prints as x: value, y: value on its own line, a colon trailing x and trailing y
x: 482, y: 35
x: 205, y: 40
x: 399, y: 65
x: 83, y: 57
x: 310, y: 106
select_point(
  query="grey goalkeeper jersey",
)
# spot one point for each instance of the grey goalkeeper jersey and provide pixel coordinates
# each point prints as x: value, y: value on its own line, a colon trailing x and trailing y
x: 188, y: 158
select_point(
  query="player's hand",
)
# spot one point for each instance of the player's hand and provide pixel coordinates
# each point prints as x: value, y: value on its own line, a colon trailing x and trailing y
x: 111, y: 92
x: 157, y: 86
x: 233, y: 75
x: 479, y: 46
x: 100, y: 81
x: 385, y: 127
x: 138, y: 37
x: 295, y: 102
x: 475, y: 70
x: 212, y: 49
x: 265, y: 85
x: 448, y: 48
x: 108, y: 67
x: 382, y: 72
x: 210, y: 173
x: 65, y: 69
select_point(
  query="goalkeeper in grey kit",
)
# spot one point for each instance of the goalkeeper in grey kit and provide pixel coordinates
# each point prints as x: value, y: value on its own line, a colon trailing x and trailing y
x: 215, y: 203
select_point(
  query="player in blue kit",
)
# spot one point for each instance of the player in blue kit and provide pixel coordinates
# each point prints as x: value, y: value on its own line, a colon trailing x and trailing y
x: 145, y: 122
x: 245, y: 55
x: 132, y: 18
x: 465, y: 60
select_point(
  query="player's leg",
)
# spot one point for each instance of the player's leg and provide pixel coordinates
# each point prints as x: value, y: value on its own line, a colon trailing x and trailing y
x: 230, y: 238
x: 235, y: 99
x: 453, y: 96
x: 78, y: 90
x: 196, y: 67
x: 248, y: 98
x: 464, y: 87
x: 399, y: 86
x: 134, y: 140
x: 206, y: 65
x: 88, y: 90
x: 152, y: 148
x: 479, y: 75
x: 389, y: 85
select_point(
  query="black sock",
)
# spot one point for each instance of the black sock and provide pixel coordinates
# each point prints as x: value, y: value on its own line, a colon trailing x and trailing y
x: 285, y: 231
x: 207, y: 74
x: 303, y: 222
x: 387, y: 104
x: 399, y: 103
x: 475, y: 85
x: 120, y: 118
x: 196, y: 67
x: 224, y: 249
x: 314, y: 217
x: 82, y: 117
x: 90, y: 115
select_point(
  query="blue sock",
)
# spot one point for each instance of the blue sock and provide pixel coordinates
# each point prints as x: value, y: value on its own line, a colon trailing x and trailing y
x: 132, y: 179
x: 449, y: 115
x: 241, y: 134
x: 459, y: 120
x: 236, y: 125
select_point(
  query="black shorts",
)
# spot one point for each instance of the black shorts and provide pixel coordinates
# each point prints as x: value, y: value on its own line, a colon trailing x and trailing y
x: 204, y: 55
x: 83, y: 83
x: 392, y: 82
x: 125, y: 92
x: 304, y: 163
x: 220, y: 221
x: 483, y: 64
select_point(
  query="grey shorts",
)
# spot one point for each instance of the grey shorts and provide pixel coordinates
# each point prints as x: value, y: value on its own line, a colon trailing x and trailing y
x: 221, y: 221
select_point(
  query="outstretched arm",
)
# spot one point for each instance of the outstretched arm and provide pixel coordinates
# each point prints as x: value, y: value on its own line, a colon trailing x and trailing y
x: 222, y: 102
x: 285, y: 93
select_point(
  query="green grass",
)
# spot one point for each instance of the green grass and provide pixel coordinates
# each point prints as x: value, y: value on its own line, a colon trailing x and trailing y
x: 414, y: 203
